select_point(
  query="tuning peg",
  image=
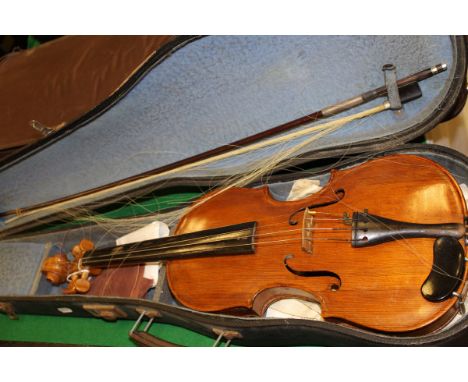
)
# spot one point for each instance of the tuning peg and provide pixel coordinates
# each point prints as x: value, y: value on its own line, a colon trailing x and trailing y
x: 80, y: 249
x: 82, y: 284
x: 78, y: 284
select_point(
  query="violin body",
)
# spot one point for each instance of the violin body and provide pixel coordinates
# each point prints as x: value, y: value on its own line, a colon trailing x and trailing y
x: 376, y: 286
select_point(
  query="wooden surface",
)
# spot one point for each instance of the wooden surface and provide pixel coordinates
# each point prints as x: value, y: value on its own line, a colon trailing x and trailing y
x: 380, y: 285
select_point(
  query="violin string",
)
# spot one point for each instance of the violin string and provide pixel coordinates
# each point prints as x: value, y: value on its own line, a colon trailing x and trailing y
x: 289, y: 214
x: 403, y: 241
x: 257, y: 235
x: 400, y: 239
x: 130, y: 252
x: 192, y: 241
x: 275, y: 242
x: 108, y: 257
x: 407, y: 244
x: 261, y: 226
x: 168, y: 248
x: 114, y: 258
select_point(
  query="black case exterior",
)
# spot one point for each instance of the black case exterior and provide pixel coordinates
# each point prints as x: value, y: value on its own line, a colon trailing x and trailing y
x: 272, y: 332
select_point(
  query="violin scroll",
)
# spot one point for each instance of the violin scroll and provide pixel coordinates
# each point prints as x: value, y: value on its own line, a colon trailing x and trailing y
x: 58, y: 269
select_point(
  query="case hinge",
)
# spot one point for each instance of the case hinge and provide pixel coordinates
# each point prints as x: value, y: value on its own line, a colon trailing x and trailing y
x: 229, y: 335
x: 143, y: 337
x: 106, y: 312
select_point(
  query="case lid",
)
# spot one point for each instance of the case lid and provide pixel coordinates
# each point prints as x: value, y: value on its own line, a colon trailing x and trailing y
x: 58, y: 82
x: 219, y: 89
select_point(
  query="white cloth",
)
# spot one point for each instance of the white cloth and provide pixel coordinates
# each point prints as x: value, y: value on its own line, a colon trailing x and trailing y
x: 294, y: 308
x: 302, y: 188
x: 151, y: 231
x: 154, y: 230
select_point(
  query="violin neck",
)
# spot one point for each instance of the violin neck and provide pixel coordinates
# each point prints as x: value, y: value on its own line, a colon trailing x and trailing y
x: 230, y: 240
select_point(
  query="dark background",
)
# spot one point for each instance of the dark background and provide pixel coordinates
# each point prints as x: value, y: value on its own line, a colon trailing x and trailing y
x: 13, y: 43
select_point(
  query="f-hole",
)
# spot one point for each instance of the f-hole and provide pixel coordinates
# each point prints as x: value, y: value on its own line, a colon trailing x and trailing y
x: 339, y: 193
x: 334, y: 287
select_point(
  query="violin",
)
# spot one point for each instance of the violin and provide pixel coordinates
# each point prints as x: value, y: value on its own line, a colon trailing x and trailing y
x: 382, y: 246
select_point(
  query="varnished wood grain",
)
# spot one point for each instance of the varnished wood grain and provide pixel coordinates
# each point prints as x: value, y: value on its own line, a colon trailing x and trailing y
x: 380, y: 284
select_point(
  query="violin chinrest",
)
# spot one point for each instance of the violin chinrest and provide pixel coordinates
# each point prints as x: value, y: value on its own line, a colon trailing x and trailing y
x: 447, y: 270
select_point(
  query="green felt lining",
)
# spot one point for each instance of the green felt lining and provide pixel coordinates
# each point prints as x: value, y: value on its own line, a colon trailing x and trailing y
x: 89, y: 331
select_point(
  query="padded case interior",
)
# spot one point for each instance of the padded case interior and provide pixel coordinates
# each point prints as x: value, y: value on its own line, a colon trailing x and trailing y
x: 219, y: 89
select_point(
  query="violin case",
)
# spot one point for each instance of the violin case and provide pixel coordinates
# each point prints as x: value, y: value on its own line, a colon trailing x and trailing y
x: 204, y: 92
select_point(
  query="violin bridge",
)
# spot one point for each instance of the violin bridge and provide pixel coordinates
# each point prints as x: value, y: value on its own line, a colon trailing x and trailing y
x: 307, y: 230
